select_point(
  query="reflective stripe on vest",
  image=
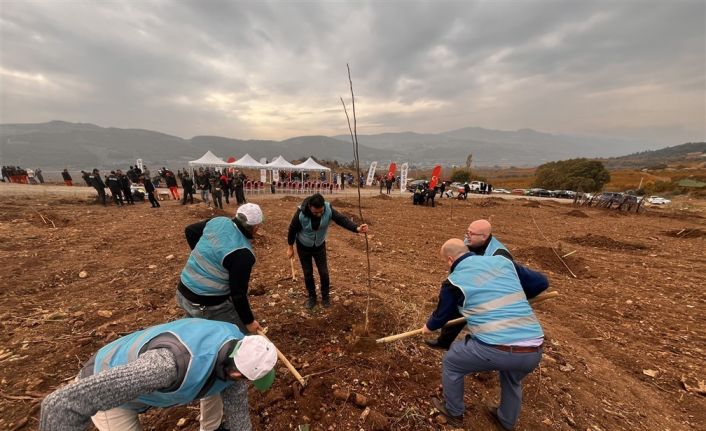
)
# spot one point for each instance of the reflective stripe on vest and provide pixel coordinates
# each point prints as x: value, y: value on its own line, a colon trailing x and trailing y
x: 204, y: 273
x: 202, y: 338
x: 308, y: 236
x: 495, y: 306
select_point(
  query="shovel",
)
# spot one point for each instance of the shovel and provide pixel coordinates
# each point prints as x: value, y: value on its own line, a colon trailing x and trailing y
x: 536, y: 300
x: 286, y: 362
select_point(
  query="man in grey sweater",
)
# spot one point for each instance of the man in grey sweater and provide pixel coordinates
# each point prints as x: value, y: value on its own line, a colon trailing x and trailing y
x: 163, y: 366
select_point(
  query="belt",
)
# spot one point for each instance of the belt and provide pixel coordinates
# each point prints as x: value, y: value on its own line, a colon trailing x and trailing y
x: 516, y: 349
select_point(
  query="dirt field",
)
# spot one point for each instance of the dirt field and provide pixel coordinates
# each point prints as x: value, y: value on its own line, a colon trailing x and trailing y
x: 625, y: 340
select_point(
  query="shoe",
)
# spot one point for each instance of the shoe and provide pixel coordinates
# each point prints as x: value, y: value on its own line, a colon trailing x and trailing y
x: 492, y: 413
x: 326, y: 302
x: 454, y: 421
x: 310, y: 303
x: 434, y: 344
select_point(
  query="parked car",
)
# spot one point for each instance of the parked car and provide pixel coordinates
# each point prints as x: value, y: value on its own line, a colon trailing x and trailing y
x: 610, y: 197
x: 520, y: 192
x: 505, y: 191
x: 564, y: 194
x: 412, y: 185
x: 539, y: 192
x: 658, y: 200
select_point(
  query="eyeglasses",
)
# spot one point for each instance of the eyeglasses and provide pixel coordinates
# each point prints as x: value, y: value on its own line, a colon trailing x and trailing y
x: 469, y: 233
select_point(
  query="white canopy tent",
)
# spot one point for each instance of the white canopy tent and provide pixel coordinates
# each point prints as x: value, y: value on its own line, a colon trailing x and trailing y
x: 281, y: 163
x: 208, y: 159
x: 246, y: 162
x: 311, y: 165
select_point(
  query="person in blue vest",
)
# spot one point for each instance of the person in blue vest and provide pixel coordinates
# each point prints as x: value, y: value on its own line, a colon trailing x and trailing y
x: 309, y: 228
x: 505, y: 335
x: 166, y: 365
x: 480, y: 241
x: 214, y: 282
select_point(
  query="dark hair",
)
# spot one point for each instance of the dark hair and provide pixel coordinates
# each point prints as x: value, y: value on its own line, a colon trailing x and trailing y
x: 316, y: 200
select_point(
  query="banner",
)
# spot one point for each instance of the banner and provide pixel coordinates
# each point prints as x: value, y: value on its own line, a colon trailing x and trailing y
x: 275, y: 175
x: 391, y: 171
x: 371, y: 173
x: 435, y: 176
x: 263, y: 172
x: 139, y: 164
x: 403, y: 177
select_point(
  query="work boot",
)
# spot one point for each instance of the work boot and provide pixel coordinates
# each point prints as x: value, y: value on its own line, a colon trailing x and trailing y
x: 492, y: 413
x: 454, y: 421
x: 310, y: 303
x: 326, y: 302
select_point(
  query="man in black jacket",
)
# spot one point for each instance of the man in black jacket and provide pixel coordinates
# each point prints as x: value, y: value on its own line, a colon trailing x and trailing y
x: 149, y: 188
x: 113, y: 184
x: 97, y: 182
x: 188, y: 185
x: 125, y: 187
x: 309, y: 228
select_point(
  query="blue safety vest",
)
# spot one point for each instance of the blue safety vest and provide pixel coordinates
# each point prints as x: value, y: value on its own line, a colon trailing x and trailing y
x: 308, y: 236
x: 202, y: 338
x: 495, y: 306
x: 493, y: 246
x: 204, y: 273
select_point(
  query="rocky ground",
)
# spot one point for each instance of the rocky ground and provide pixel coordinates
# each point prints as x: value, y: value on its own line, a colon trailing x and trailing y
x: 625, y: 339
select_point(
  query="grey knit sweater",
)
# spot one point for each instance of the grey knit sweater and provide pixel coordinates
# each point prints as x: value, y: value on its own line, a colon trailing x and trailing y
x: 71, y: 407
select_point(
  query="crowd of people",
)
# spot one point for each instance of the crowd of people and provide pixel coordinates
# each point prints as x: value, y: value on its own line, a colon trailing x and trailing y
x: 211, y: 353
x: 16, y: 174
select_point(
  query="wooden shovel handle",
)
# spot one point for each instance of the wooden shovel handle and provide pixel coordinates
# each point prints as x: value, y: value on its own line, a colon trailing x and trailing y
x: 536, y: 300
x: 288, y: 364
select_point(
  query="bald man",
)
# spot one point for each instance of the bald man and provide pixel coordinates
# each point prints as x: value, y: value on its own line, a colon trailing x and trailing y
x: 505, y: 335
x: 481, y: 241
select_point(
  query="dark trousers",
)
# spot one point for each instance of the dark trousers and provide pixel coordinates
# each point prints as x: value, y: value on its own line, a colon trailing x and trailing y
x: 190, y: 194
x: 101, y: 194
x: 306, y: 256
x: 226, y: 193
x: 117, y: 197
x: 217, y: 199
x: 128, y: 196
x: 240, y: 195
x: 153, y: 201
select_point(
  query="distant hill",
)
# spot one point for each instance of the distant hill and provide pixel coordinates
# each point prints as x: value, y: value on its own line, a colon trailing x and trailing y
x: 59, y: 144
x: 689, y: 153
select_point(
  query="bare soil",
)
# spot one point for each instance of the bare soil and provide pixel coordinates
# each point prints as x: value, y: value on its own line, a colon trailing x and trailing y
x: 625, y: 340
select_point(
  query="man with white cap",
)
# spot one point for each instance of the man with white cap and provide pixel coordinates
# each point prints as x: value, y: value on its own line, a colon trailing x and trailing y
x: 214, y: 282
x: 163, y: 366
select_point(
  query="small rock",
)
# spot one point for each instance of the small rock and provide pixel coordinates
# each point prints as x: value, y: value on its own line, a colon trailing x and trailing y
x: 651, y: 373
x: 547, y: 421
x: 152, y: 267
x: 441, y: 420
x: 105, y: 313
x: 181, y: 422
x: 629, y: 301
x: 566, y: 368
x: 347, y: 303
x: 170, y: 257
x: 82, y: 274
x: 275, y: 296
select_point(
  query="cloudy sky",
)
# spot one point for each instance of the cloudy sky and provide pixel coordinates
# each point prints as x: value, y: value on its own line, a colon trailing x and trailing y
x: 248, y: 69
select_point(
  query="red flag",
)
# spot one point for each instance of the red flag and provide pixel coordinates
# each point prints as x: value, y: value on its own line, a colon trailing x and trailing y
x: 391, y: 171
x: 435, y: 176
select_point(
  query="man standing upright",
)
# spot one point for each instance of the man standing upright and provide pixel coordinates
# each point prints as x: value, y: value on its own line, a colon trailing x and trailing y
x: 309, y: 228
x: 188, y: 185
x: 505, y: 335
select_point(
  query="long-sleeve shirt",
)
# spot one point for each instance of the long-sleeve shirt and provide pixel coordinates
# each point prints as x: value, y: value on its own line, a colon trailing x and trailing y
x: 239, y: 265
x: 71, y: 407
x: 451, y: 297
x: 295, y: 226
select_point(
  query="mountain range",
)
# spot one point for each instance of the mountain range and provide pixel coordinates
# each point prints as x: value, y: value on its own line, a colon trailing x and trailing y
x: 59, y: 144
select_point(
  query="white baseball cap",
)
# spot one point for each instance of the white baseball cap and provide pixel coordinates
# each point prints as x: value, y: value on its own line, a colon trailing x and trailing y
x: 255, y: 357
x: 251, y: 213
